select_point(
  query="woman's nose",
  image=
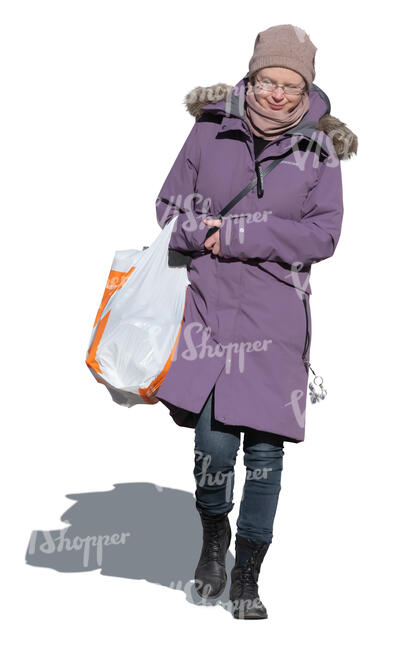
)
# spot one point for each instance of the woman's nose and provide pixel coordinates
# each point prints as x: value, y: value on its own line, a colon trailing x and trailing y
x: 278, y: 93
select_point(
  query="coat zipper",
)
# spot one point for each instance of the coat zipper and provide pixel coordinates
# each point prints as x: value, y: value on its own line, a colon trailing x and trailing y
x: 314, y: 395
x: 260, y: 179
x: 307, y: 336
x: 260, y: 194
x: 316, y: 387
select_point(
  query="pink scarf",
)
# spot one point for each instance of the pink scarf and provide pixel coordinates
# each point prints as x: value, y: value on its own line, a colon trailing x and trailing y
x: 268, y: 123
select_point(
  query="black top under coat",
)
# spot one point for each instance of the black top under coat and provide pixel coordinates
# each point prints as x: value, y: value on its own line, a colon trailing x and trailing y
x: 259, y: 144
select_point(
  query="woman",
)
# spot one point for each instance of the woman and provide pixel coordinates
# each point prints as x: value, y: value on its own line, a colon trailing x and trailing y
x: 242, y: 356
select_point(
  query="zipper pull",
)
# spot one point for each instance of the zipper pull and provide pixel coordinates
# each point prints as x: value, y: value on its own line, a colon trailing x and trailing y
x: 260, y: 179
x: 316, y: 387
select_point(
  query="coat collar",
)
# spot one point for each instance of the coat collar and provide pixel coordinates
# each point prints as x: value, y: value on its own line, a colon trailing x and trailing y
x: 229, y: 102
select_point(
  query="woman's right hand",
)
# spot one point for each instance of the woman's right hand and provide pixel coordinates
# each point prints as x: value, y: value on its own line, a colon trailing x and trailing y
x: 213, y: 243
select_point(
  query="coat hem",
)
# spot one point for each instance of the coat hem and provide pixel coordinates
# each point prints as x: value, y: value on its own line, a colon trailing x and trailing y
x: 188, y: 419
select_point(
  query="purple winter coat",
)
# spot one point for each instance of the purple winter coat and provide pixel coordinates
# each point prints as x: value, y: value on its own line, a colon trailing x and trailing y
x: 247, y: 324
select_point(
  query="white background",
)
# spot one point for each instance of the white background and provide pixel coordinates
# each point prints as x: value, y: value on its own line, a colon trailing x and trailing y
x: 92, y: 119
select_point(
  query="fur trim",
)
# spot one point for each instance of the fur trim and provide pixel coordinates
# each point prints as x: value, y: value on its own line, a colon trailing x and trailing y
x: 196, y: 99
x: 343, y: 139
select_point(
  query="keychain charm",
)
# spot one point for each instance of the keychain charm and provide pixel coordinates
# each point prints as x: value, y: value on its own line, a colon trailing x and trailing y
x: 316, y: 387
x: 317, y: 395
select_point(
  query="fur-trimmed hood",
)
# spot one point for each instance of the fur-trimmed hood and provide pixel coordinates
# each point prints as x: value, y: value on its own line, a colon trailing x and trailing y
x: 343, y: 139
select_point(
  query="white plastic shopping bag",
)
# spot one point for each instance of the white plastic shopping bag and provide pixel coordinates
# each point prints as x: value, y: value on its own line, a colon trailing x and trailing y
x: 138, y: 323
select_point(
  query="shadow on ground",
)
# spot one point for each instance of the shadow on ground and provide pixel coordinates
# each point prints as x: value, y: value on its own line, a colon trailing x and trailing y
x: 140, y: 531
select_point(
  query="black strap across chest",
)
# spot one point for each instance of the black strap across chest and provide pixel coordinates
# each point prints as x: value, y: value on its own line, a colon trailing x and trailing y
x: 258, y: 180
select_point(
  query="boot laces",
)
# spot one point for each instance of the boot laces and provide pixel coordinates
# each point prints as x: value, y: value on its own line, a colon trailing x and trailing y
x: 248, y: 579
x: 213, y: 529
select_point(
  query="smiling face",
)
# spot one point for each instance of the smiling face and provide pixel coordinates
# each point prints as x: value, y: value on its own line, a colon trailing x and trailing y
x: 278, y: 99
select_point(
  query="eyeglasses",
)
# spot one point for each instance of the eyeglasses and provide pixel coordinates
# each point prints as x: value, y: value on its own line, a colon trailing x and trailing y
x: 269, y: 87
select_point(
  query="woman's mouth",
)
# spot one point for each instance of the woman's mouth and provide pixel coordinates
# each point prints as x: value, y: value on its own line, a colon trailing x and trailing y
x: 275, y: 106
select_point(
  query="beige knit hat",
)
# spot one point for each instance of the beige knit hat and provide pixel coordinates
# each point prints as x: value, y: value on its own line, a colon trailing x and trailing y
x: 284, y: 46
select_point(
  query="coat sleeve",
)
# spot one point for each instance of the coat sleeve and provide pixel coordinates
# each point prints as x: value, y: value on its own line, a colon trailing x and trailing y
x: 178, y: 197
x: 311, y: 239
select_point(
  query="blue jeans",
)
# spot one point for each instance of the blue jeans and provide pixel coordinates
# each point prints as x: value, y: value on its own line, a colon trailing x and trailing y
x: 215, y: 451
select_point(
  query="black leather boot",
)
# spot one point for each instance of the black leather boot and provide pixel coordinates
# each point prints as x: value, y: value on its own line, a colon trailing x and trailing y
x: 210, y: 574
x: 246, y: 603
